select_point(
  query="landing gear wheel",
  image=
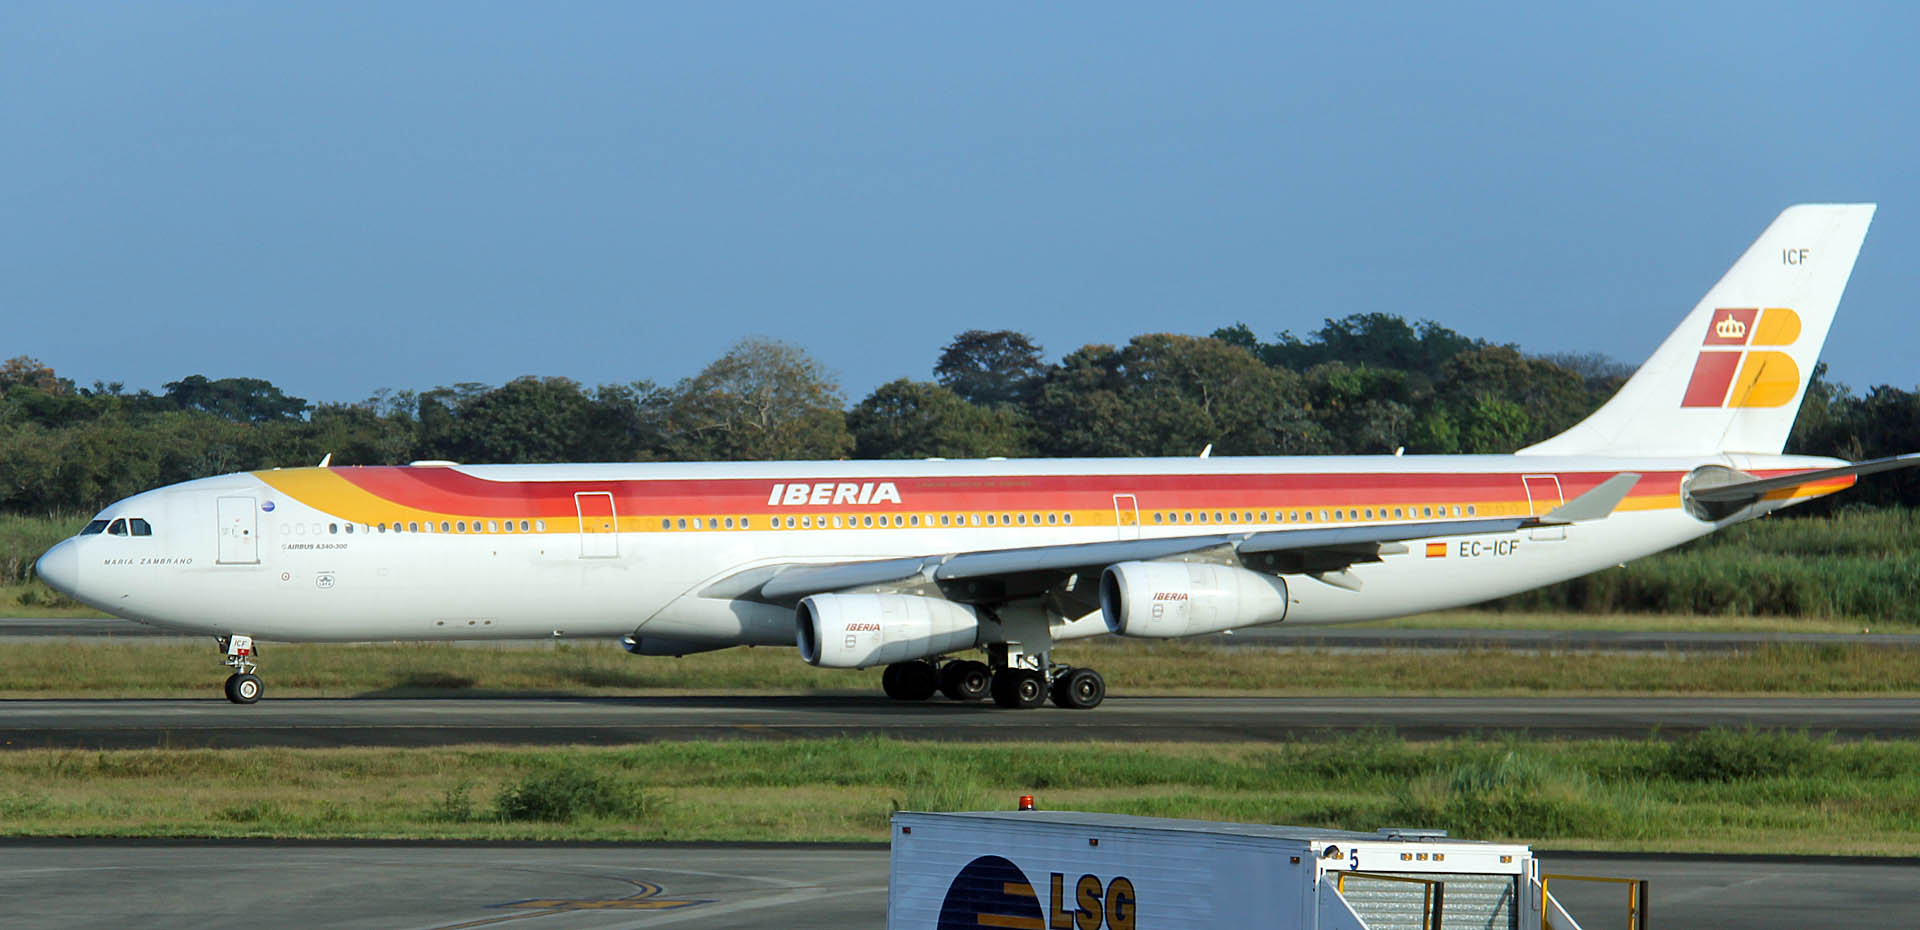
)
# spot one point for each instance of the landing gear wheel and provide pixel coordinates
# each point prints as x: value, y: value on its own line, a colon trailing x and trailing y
x: 1079, y: 689
x: 243, y: 689
x: 965, y: 680
x: 1019, y: 688
x: 910, y: 681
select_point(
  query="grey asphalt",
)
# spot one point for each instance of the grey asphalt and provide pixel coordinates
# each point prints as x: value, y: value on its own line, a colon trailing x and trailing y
x: 1281, y: 637
x: 373, y: 721
x: 64, y: 885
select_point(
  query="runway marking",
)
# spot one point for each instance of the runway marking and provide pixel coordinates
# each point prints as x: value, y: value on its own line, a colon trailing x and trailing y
x: 645, y: 899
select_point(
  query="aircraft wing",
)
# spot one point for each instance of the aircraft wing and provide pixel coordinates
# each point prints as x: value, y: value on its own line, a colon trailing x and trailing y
x: 1000, y: 575
x: 1755, y: 489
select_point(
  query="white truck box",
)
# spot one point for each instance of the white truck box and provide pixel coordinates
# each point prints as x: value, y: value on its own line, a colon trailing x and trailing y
x: 1063, y: 870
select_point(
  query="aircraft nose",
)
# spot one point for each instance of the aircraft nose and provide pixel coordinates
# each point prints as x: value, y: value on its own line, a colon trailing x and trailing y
x: 60, y: 568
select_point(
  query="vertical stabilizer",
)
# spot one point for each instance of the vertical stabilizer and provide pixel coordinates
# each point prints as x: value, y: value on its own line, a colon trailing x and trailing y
x: 1731, y: 377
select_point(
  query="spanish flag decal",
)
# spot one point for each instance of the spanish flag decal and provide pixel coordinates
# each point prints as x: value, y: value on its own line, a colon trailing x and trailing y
x: 1436, y: 550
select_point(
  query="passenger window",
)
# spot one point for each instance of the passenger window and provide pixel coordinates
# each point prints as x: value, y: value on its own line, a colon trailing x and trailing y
x: 139, y: 527
x: 461, y: 526
x: 1023, y: 519
x: 540, y: 526
x: 989, y: 519
x: 414, y: 527
x: 1053, y: 518
x: 1470, y: 510
x: 915, y: 520
x: 94, y: 528
x: 746, y: 523
x: 1203, y: 516
x: 681, y: 523
x: 1067, y: 519
x: 523, y: 526
x: 333, y: 529
x: 1369, y: 513
x: 446, y: 527
x: 494, y: 527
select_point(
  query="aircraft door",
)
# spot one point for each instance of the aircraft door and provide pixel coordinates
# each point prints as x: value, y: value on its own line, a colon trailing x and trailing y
x: 599, y: 525
x: 1543, y: 494
x: 1126, y: 515
x: 239, y: 531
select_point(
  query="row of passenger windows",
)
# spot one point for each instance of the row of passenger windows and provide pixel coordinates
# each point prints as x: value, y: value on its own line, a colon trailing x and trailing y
x: 807, y: 521
x: 444, y: 526
x: 138, y: 527
x: 124, y: 526
x: 1308, y: 516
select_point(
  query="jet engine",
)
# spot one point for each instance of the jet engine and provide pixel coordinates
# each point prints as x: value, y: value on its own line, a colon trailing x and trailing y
x: 859, y: 630
x: 1162, y: 600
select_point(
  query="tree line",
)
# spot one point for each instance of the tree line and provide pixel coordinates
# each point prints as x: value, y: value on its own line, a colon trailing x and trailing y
x: 1364, y: 384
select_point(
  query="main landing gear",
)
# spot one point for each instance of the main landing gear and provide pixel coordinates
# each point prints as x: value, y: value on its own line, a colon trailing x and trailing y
x: 243, y: 686
x: 1009, y: 684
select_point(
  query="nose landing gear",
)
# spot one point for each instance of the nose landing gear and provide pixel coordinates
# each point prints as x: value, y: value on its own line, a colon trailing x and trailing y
x: 243, y: 686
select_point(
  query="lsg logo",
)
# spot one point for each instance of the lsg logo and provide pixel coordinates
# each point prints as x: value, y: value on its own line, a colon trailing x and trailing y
x: 993, y: 892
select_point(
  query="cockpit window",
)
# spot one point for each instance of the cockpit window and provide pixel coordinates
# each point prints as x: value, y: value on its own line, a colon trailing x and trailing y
x: 139, y: 527
x: 95, y: 528
x: 117, y: 527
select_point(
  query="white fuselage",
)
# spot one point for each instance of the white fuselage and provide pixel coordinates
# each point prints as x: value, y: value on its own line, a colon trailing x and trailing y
x: 352, y: 555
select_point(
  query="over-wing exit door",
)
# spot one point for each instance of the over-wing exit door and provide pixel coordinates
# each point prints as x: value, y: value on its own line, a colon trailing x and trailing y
x: 1126, y: 515
x: 1543, y: 494
x: 599, y: 524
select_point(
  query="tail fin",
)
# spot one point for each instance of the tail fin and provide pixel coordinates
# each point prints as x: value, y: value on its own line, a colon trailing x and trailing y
x: 1731, y: 377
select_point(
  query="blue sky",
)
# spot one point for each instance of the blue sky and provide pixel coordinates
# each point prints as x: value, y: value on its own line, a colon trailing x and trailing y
x: 342, y: 197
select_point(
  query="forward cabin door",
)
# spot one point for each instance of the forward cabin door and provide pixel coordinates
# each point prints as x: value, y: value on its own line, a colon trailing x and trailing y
x: 1543, y: 495
x: 1126, y: 515
x: 598, y: 525
x: 239, y: 531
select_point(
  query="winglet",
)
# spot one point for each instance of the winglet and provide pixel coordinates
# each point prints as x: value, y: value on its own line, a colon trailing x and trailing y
x: 1597, y: 504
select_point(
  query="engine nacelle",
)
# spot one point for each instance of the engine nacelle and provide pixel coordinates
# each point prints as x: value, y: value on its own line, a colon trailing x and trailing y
x: 859, y: 630
x: 1161, y: 600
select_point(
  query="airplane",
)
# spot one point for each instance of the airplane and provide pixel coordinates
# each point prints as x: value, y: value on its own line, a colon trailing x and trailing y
x: 960, y: 576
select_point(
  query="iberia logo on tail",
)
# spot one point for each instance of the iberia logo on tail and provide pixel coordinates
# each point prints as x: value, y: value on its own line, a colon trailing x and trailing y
x: 1731, y: 374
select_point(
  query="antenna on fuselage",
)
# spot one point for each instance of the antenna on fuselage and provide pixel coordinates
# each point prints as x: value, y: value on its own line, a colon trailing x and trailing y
x: 326, y: 459
x: 1207, y: 452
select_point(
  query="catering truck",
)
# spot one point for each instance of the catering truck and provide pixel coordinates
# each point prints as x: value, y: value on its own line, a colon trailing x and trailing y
x: 1063, y: 870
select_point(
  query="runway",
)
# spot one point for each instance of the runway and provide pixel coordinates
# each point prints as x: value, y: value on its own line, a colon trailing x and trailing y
x: 212, y: 722
x: 64, y: 885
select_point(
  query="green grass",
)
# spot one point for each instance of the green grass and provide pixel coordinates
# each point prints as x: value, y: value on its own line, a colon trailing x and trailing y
x: 109, y: 669
x: 1720, y: 791
x: 1566, y: 620
x: 1858, y: 565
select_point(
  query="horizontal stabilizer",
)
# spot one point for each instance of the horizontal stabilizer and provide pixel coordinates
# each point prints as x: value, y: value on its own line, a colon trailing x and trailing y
x: 1751, y: 490
x: 1597, y: 503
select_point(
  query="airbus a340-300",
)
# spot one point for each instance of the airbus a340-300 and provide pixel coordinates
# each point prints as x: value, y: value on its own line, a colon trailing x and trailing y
x: 960, y: 576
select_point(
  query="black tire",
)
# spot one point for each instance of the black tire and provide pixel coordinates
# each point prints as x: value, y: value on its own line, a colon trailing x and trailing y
x: 244, y: 689
x: 965, y: 680
x: 1019, y: 688
x: 1079, y: 689
x: 910, y: 681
